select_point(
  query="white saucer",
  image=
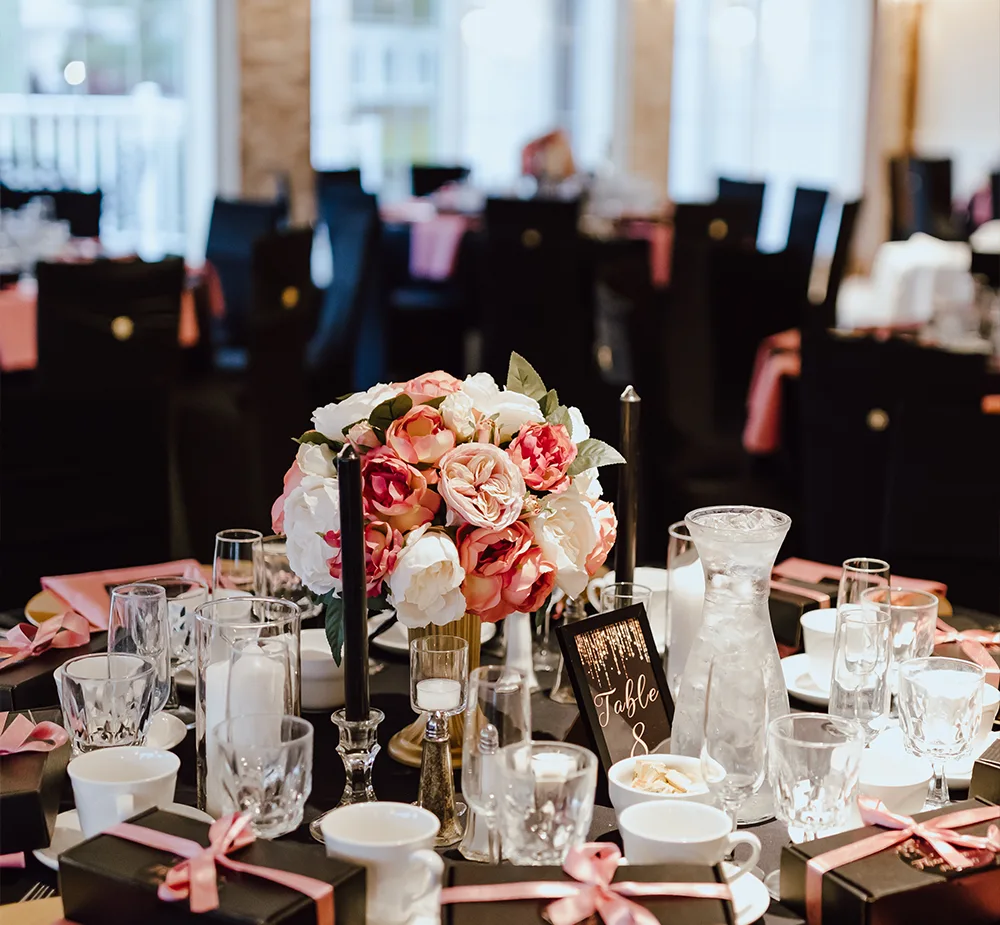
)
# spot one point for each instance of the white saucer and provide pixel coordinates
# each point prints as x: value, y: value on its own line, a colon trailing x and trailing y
x: 165, y: 731
x: 799, y: 682
x: 396, y: 639
x: 750, y: 897
x: 67, y: 833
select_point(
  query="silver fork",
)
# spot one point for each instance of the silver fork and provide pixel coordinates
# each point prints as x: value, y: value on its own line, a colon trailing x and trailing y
x: 38, y: 891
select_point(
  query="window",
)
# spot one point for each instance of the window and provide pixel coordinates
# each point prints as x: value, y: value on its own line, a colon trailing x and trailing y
x: 773, y: 90
x: 396, y: 82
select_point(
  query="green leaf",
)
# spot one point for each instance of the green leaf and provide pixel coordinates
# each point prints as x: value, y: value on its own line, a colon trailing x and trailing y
x: 560, y: 415
x: 549, y: 402
x: 314, y: 436
x: 387, y: 412
x: 591, y: 453
x: 521, y: 377
x: 435, y: 402
x: 334, y: 623
x: 379, y: 603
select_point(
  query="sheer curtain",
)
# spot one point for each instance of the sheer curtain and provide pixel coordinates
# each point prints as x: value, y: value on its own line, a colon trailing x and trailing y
x: 774, y: 90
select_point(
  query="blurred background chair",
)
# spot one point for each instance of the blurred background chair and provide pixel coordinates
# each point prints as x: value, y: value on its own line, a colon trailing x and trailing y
x: 827, y: 313
x: 920, y: 194
x: 751, y: 193
x: 82, y: 210
x: 429, y: 178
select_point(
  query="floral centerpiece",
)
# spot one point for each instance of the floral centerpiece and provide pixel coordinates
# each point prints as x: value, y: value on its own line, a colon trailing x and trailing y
x: 477, y: 499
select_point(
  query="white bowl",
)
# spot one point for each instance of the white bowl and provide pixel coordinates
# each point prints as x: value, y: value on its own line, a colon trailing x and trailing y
x: 623, y: 794
x: 895, y: 777
x: 322, y: 678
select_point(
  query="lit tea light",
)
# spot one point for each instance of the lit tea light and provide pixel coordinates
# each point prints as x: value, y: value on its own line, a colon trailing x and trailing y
x: 439, y: 694
x: 552, y: 766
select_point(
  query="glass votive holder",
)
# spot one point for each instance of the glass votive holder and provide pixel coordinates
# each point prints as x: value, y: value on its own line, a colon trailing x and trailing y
x: 439, y: 674
x: 266, y: 769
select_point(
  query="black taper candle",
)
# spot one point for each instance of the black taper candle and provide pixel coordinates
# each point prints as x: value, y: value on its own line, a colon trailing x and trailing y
x: 628, y: 487
x: 354, y: 592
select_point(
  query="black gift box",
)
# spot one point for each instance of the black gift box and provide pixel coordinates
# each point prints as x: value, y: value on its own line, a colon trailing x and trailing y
x: 787, y: 602
x: 111, y: 881
x: 29, y: 685
x: 30, y: 787
x: 904, y: 883
x: 675, y: 910
x: 986, y: 775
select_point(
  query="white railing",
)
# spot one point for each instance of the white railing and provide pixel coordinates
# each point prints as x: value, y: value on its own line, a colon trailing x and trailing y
x: 130, y: 147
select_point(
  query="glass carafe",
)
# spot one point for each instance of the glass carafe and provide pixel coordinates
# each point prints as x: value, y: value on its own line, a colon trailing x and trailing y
x: 737, y: 546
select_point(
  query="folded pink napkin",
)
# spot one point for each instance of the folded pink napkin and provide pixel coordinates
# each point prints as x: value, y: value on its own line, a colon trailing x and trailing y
x: 88, y: 593
x: 434, y: 246
x: 815, y: 572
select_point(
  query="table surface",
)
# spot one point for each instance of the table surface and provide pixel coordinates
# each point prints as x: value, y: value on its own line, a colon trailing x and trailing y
x: 393, y: 781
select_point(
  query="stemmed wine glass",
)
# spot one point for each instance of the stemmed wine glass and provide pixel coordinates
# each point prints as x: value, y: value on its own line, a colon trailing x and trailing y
x: 498, y: 713
x: 735, y: 744
x: 139, y: 625
x: 859, y: 686
x: 858, y: 576
x: 238, y: 566
x: 940, y: 704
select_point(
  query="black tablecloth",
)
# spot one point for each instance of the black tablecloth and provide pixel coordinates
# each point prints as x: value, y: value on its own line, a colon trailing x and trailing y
x: 393, y: 781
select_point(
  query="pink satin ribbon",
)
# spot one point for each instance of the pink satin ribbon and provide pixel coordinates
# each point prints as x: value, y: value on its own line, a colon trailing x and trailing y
x: 24, y: 641
x: 937, y: 832
x: 22, y: 735
x: 973, y: 643
x: 195, y: 877
x: 12, y: 860
x: 593, y: 866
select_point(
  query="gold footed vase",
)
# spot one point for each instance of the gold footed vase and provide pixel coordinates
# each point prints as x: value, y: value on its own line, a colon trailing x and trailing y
x: 407, y: 744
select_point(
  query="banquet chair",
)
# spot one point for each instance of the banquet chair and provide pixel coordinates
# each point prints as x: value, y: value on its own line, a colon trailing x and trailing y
x: 428, y: 178
x: 109, y: 324
x: 749, y: 192
x: 235, y: 225
x: 995, y: 193
x: 81, y: 210
x: 942, y: 501
x: 920, y: 197
x: 803, y: 228
x: 827, y: 315
x: 536, y: 294
x: 344, y: 353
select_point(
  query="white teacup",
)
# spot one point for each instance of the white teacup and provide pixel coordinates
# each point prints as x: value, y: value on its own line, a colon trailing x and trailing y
x: 991, y: 703
x: 895, y: 777
x: 653, y: 578
x: 819, y: 627
x: 113, y: 784
x: 682, y: 833
x: 393, y: 842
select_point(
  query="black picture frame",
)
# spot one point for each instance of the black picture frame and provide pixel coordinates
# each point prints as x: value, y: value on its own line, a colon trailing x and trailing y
x: 570, y: 636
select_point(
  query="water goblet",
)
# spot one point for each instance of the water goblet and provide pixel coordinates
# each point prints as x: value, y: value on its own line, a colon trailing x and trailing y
x: 734, y: 749
x: 139, y: 624
x: 940, y: 705
x: 859, y: 685
x: 858, y: 576
x: 546, y: 800
x: 106, y: 700
x: 238, y: 564
x: 813, y: 765
x: 498, y: 714
x: 279, y: 579
x: 266, y: 768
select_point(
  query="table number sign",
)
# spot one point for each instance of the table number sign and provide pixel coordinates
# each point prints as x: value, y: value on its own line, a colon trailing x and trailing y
x: 618, y: 680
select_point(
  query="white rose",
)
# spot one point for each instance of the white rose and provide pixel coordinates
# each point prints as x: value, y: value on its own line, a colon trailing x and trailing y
x: 330, y: 420
x: 567, y: 530
x: 316, y: 459
x: 426, y: 584
x: 511, y: 408
x: 588, y: 484
x: 311, y: 509
x: 456, y: 412
x: 578, y: 429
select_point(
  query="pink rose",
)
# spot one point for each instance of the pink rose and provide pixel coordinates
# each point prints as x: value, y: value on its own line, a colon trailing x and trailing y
x: 529, y: 583
x: 543, y: 453
x: 606, y: 538
x: 362, y: 437
x: 382, y: 547
x: 395, y: 492
x: 292, y: 479
x: 420, y: 436
x: 481, y: 486
x: 431, y: 385
x: 487, y: 554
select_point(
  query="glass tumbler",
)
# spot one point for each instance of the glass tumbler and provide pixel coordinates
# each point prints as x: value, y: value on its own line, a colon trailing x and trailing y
x: 546, y: 800
x: 266, y: 767
x: 859, y: 684
x: 624, y: 594
x: 106, y: 699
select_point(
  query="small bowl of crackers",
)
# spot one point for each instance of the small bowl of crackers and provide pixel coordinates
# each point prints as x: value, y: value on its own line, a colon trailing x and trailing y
x: 656, y: 777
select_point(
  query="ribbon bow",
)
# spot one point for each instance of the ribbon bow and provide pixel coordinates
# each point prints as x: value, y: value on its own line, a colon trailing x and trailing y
x: 66, y: 631
x: 983, y: 637
x: 937, y: 832
x: 195, y: 877
x: 592, y: 866
x: 22, y: 735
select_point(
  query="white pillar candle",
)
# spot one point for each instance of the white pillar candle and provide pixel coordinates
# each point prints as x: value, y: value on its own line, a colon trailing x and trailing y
x: 258, y: 686
x: 439, y: 694
x: 552, y: 766
x: 685, y: 601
